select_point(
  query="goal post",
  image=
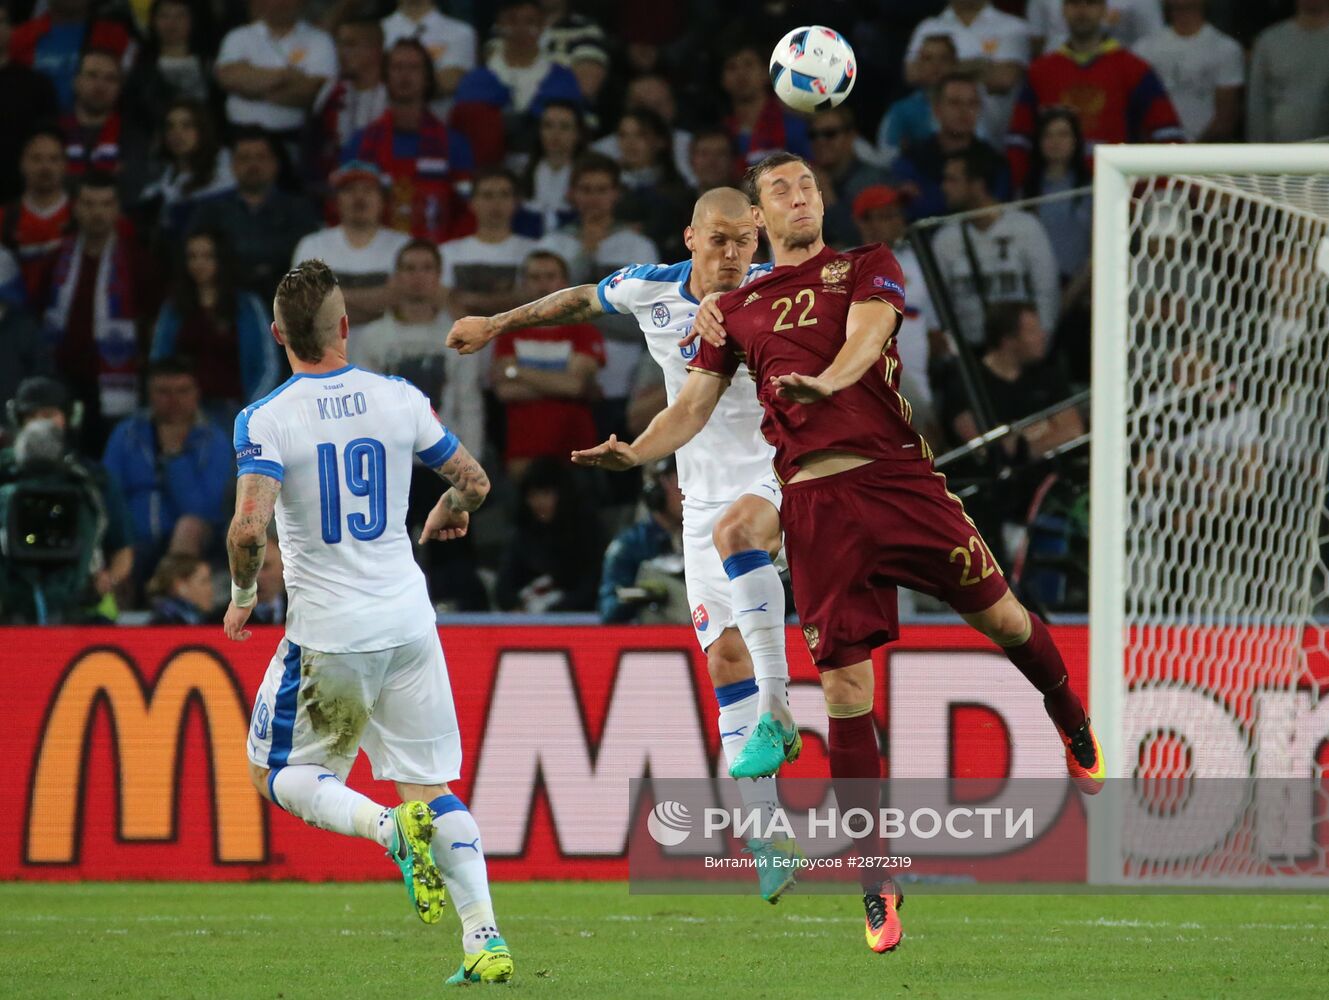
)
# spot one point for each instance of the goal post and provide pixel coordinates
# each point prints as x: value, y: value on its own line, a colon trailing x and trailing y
x: 1208, y: 476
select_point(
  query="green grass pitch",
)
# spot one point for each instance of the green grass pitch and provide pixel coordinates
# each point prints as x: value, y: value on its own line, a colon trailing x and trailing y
x: 583, y: 940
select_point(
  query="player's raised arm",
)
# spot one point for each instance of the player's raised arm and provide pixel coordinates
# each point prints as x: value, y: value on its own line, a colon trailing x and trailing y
x: 868, y: 329
x: 255, y: 498
x: 469, y: 486
x: 671, y: 428
x: 568, y: 305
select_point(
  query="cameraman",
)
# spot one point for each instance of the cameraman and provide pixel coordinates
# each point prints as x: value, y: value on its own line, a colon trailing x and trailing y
x: 66, y: 542
x: 643, y: 566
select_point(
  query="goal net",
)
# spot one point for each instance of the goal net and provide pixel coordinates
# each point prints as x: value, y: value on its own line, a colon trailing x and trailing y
x: 1210, y: 536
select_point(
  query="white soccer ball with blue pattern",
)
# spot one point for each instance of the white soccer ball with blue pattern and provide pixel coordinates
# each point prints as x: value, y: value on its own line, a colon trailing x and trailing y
x: 813, y: 68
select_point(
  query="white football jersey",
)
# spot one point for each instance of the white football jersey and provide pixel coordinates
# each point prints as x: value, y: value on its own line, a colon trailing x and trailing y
x: 730, y: 453
x: 342, y: 445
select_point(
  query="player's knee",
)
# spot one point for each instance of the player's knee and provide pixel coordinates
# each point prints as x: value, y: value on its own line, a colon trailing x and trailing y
x: 259, y: 776
x: 731, y: 534
x: 727, y: 659
x: 848, y: 690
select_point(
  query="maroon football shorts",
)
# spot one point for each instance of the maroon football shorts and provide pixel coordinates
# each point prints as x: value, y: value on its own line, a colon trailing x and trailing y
x: 853, y: 537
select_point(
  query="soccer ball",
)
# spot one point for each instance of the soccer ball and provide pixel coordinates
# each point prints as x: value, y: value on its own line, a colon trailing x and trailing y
x: 812, y: 68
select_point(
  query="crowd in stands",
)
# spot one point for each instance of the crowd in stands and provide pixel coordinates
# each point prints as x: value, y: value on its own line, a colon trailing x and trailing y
x: 163, y: 163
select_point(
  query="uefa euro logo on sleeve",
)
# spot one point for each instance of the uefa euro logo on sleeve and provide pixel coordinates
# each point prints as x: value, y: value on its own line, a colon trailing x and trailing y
x: 888, y: 284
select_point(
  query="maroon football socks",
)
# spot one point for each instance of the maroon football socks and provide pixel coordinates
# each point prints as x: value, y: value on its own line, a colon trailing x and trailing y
x: 1041, y: 663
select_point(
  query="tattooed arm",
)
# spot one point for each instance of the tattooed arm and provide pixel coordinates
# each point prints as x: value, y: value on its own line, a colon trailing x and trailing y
x: 255, y: 498
x: 568, y: 305
x: 451, y: 516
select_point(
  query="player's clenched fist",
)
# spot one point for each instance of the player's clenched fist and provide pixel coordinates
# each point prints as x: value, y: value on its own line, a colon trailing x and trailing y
x: 469, y: 334
x: 613, y: 455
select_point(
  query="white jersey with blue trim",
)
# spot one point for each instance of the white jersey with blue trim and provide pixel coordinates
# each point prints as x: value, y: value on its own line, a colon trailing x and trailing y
x: 729, y: 454
x: 342, y: 445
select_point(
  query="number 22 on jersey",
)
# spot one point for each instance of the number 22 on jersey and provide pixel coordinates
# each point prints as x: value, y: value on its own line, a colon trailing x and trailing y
x: 366, y: 465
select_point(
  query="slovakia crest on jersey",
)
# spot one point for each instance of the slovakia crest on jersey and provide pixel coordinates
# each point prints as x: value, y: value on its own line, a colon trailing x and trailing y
x: 700, y: 618
x: 659, y: 314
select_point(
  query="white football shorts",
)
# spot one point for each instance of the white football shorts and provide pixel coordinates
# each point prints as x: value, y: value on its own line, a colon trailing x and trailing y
x: 322, y: 708
x: 703, y: 570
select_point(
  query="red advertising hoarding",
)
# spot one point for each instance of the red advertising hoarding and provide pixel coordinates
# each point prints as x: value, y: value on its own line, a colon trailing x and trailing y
x: 126, y: 758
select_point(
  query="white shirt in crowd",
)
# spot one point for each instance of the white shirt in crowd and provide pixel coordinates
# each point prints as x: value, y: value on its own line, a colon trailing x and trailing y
x: 992, y: 35
x: 911, y: 340
x: 414, y: 351
x: 473, y: 265
x: 1192, y: 67
x: 369, y: 266
x: 1127, y: 21
x: 304, y: 47
x: 549, y: 194
x: 347, y: 555
x: 449, y: 41
x: 682, y: 140
x: 1016, y: 263
x: 523, y: 81
x: 623, y: 346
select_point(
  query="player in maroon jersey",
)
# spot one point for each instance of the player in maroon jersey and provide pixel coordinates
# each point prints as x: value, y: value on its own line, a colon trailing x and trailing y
x: 864, y: 509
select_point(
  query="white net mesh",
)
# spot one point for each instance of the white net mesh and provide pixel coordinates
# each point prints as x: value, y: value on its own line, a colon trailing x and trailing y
x: 1227, y: 533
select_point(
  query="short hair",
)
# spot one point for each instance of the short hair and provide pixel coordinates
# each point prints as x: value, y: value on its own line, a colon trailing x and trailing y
x: 169, y: 367
x: 96, y: 180
x: 711, y: 132
x: 956, y: 77
x: 300, y: 295
x: 252, y: 133
x: 361, y: 20
x: 1002, y: 321
x: 535, y: 255
x: 978, y: 162
x: 842, y: 111
x: 752, y: 179
x: 942, y: 39
x: 99, y: 51
x: 594, y: 163
x: 174, y: 566
x: 494, y: 173
x: 43, y: 132
x: 428, y: 246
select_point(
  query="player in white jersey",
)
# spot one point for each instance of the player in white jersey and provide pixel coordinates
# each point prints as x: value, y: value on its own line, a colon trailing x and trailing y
x: 731, y: 510
x: 360, y: 666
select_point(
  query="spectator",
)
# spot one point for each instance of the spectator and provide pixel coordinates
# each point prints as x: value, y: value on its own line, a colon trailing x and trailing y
x: 424, y: 160
x: 711, y: 160
x: 53, y: 43
x: 843, y: 175
x: 361, y: 250
x: 26, y: 351
x: 181, y: 591
x: 96, y: 291
x: 910, y: 119
x: 270, y: 600
x: 1128, y: 21
x: 548, y: 175
x: 174, y: 467
x: 273, y: 67
x: 1203, y: 70
x: 995, y: 256
x: 592, y: 247
x: 408, y: 341
x: 449, y: 41
x: 636, y: 550
x: 1115, y: 93
x: 545, y: 377
x: 1288, y: 98
x: 1058, y: 166
x: 193, y: 166
x: 29, y: 100
x: 481, y: 272
x: 596, y: 243
x: 654, y: 196
x: 357, y: 98
x: 77, y: 582
x: 552, y: 562
x: 170, y: 67
x: 590, y: 70
x: 758, y: 123
x: 261, y: 224
x: 879, y: 212
x: 223, y: 330
x: 518, y: 78
x: 653, y: 92
x: 956, y: 104
x: 1018, y: 384
x: 92, y: 128
x: 565, y: 31
x: 993, y: 49
x: 32, y: 227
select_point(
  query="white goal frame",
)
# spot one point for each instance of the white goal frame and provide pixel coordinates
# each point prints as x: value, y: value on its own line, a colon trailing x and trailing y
x: 1116, y: 169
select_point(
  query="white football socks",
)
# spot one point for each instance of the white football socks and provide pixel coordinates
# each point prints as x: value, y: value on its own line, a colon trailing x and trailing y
x: 317, y: 796
x: 758, y: 599
x: 459, y: 855
x: 738, y: 717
